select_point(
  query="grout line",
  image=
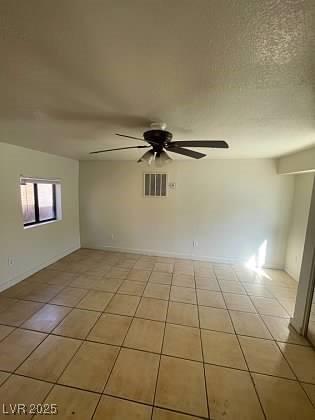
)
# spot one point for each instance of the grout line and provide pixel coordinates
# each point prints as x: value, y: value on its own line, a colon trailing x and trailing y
x: 114, y: 364
x: 250, y: 374
x: 203, y: 363
x: 160, y: 358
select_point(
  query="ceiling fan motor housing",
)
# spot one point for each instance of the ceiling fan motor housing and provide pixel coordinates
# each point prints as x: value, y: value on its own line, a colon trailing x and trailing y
x: 158, y: 138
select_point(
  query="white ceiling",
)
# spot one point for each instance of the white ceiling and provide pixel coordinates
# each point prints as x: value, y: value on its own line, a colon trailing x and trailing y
x: 74, y: 72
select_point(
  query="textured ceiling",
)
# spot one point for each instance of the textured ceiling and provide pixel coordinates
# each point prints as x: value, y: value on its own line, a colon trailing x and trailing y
x: 74, y: 72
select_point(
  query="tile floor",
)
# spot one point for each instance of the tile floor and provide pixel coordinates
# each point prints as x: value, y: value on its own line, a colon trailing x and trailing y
x: 114, y: 336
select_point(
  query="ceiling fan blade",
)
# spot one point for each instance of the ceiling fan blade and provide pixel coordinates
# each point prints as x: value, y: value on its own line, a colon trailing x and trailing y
x: 186, y: 152
x: 120, y: 148
x: 129, y: 137
x: 218, y: 144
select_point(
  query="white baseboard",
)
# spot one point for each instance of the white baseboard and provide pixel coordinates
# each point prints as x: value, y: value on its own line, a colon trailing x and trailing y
x: 36, y: 268
x: 151, y: 252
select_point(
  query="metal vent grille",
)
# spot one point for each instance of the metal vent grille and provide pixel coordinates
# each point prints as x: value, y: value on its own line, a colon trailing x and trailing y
x: 155, y: 185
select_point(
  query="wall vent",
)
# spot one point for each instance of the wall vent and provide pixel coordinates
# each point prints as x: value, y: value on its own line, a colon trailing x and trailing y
x: 155, y: 185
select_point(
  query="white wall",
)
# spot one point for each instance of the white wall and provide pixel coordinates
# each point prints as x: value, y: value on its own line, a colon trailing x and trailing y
x: 298, y: 224
x: 299, y: 162
x: 34, y: 248
x: 231, y: 207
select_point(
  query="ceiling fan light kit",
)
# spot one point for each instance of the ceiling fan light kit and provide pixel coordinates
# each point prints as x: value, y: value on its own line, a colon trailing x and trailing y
x: 147, y: 158
x: 160, y: 141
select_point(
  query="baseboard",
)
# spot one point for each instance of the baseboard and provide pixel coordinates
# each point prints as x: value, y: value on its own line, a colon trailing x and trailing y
x: 151, y: 252
x: 36, y: 268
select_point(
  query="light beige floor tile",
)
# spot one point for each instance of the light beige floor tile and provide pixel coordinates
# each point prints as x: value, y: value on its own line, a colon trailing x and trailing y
x: 238, y: 302
x: 43, y: 293
x: 110, y: 329
x: 183, y: 280
x: 264, y: 356
x: 95, y: 300
x: 123, y: 305
x: 161, y: 278
x: 184, y: 268
x: 257, y: 290
x: 50, y: 358
x: 226, y: 275
x: 72, y: 403
x: 288, y: 305
x: 70, y: 296
x: 163, y: 267
x: 18, y: 291
x: 182, y: 341
x: 246, y: 323
x: 6, y: 302
x: 145, y: 335
x: 207, y: 283
x: 139, y: 275
x: 183, y: 294
x: 144, y: 265
x: 181, y: 386
x: 108, y: 285
x: 126, y: 264
x: 215, y: 319
x: 99, y: 270
x: 210, y: 298
x: 282, y: 331
x: 5, y: 330
x: 77, y: 324
x: 17, y: 312
x: 90, y: 367
x: 3, y: 377
x: 232, y: 287
x: 158, y: 291
x: 310, y: 390
x: 283, y: 399
x: 20, y: 390
x: 301, y: 359
x: 267, y: 306
x: 116, y: 409
x: 231, y: 394
x: 134, y: 376
x: 44, y: 276
x: 162, y: 414
x: 117, y: 273
x: 132, y: 288
x: 47, y: 318
x: 183, y: 314
x: 155, y: 309
x: 17, y: 346
x: 222, y: 349
x: 86, y: 281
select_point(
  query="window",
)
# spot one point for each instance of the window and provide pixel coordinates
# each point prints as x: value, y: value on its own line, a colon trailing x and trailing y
x: 39, y: 201
x: 155, y: 185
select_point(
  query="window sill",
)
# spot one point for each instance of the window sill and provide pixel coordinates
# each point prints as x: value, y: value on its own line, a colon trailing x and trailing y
x: 41, y: 224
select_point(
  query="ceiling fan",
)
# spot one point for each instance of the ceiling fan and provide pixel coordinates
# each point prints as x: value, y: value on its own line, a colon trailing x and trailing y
x: 160, y: 142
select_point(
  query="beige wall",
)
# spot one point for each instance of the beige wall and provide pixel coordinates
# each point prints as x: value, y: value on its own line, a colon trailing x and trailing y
x: 230, y: 207
x: 298, y: 223
x: 34, y: 248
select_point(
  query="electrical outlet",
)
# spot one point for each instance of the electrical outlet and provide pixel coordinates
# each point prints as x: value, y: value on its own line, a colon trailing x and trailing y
x: 10, y: 261
x: 195, y: 244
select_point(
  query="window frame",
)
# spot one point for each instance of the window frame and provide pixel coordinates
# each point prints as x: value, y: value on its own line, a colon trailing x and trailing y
x: 36, y: 206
